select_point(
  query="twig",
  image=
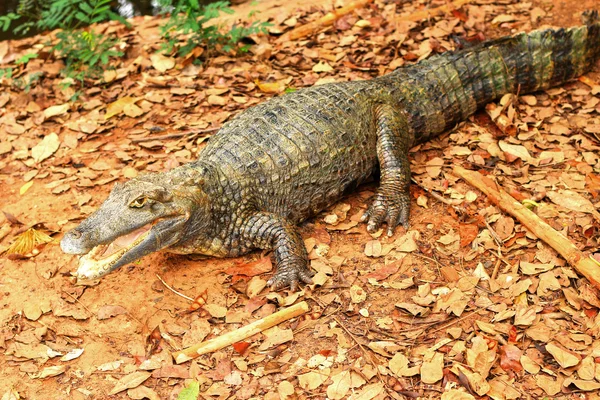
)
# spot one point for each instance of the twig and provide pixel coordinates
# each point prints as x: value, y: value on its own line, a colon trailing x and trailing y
x: 493, y: 233
x: 456, y: 321
x: 435, y: 195
x: 173, y: 290
x: 585, y: 266
x: 174, y: 135
x: 240, y: 334
x: 78, y: 301
x: 326, y: 20
x: 496, y: 268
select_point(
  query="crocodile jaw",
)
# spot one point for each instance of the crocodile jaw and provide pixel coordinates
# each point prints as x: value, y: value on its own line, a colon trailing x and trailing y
x: 93, y: 266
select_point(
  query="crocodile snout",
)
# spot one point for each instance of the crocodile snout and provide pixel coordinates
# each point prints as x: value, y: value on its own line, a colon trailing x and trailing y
x: 71, y: 243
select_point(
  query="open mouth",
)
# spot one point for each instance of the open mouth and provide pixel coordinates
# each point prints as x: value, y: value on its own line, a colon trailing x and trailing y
x: 102, y: 259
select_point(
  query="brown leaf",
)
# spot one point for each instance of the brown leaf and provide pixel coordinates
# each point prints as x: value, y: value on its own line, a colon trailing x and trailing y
x: 117, y: 107
x: 27, y: 241
x: 130, y: 381
x: 108, y: 311
x: 271, y: 87
x: 563, y: 356
x: 53, y: 111
x: 45, y: 148
x: 384, y: 271
x: 161, y: 62
x: 257, y: 267
x: 510, y: 356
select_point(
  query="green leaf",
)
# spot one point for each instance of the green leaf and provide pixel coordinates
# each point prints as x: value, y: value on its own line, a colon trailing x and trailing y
x: 82, y: 17
x: 25, y: 58
x: 191, y: 392
x: 85, y: 7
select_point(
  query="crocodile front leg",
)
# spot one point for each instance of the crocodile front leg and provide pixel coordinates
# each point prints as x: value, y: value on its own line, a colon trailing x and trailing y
x: 392, y: 200
x: 269, y: 231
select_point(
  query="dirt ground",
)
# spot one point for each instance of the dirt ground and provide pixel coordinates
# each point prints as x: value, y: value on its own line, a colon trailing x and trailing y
x: 46, y: 314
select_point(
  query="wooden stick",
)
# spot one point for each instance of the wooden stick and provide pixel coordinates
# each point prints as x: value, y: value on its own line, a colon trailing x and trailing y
x: 419, y: 15
x: 585, y: 266
x: 240, y: 334
x: 326, y: 20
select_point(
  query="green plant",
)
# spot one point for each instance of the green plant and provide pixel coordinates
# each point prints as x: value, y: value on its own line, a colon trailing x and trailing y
x: 193, y: 22
x: 6, y: 72
x: 73, y: 14
x: 85, y: 52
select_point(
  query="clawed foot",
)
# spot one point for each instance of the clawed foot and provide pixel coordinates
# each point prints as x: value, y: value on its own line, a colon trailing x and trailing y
x: 393, y: 209
x: 291, y: 275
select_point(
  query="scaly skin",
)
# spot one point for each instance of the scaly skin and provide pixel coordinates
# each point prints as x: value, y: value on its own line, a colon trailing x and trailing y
x: 282, y: 161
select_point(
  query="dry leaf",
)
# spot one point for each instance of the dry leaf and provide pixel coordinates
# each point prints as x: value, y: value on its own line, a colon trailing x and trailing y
x: 161, y: 62
x: 322, y: 66
x: 563, y: 356
x: 271, y: 87
x: 27, y: 241
x: 571, y: 200
x: 45, y: 148
x: 108, y: 311
x: 340, y: 385
x: 130, y: 381
x: 432, y: 369
x: 313, y: 379
x: 50, y: 371
x: 117, y: 107
x: 515, y: 150
x: 357, y: 294
x: 53, y: 111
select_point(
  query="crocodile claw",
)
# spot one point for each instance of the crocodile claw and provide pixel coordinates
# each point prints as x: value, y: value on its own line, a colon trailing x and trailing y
x: 290, y: 275
x: 392, y: 209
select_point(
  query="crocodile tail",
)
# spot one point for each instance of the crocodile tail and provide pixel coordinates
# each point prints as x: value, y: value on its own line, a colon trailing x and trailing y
x: 439, y: 92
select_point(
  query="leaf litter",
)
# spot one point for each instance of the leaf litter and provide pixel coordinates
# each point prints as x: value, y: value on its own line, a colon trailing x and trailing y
x: 467, y: 303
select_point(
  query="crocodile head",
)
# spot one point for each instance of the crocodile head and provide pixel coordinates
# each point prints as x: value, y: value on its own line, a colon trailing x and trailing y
x: 139, y: 217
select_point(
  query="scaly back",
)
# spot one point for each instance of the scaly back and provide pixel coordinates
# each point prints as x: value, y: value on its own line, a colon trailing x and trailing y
x: 439, y: 92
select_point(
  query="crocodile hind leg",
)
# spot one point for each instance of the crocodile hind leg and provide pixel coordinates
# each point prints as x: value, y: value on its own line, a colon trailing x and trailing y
x: 269, y: 231
x: 392, y: 200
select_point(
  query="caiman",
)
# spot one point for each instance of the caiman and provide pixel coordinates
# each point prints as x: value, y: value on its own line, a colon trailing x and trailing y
x: 282, y: 161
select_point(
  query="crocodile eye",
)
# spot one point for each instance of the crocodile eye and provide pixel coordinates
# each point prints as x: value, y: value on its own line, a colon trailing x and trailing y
x: 139, y: 202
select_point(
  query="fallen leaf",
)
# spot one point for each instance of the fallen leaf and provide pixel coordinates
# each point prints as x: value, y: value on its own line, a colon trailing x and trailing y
x: 27, y: 241
x: 50, y: 371
x: 515, y: 150
x: 53, y: 111
x: 131, y: 110
x: 313, y: 379
x: 368, y: 392
x: 71, y: 355
x: 563, y: 356
x: 257, y: 267
x: 190, y: 392
x: 108, y: 311
x: 271, y: 87
x: 161, y: 62
x: 130, y: 381
x: 340, y: 385
x: 510, y: 356
x: 571, y: 200
x: 25, y: 188
x: 322, y: 67
x: 357, y: 294
x: 45, y: 148
x: 117, y: 107
x: 144, y: 392
x: 432, y: 369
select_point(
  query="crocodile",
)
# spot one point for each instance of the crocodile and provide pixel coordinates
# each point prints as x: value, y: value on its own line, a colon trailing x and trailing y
x: 285, y: 160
